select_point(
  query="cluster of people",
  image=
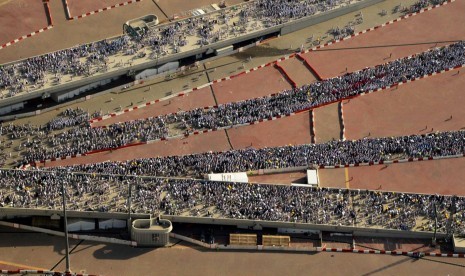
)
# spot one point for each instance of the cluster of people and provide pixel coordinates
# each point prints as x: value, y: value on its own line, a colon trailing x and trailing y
x: 80, y: 137
x: 33, y: 189
x: 33, y: 73
x: 326, y: 91
x: 249, y: 159
x: 69, y: 118
x: 201, y: 198
x: 83, y: 138
x: 86, y: 60
x: 421, y: 4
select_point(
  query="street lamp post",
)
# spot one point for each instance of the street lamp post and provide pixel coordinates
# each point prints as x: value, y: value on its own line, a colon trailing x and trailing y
x: 435, y: 212
x: 65, y: 226
x: 129, y: 206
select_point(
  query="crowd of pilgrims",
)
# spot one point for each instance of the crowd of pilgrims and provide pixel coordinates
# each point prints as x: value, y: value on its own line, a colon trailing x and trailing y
x: 71, y: 133
x: 88, y: 59
x: 201, y: 198
x: 442, y: 144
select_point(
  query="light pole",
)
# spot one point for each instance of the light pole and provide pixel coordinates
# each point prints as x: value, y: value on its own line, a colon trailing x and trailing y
x: 129, y: 206
x: 66, y: 227
x: 435, y: 212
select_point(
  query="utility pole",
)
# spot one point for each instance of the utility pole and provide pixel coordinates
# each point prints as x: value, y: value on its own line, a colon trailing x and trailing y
x: 129, y: 206
x: 66, y: 227
x: 435, y: 212
x: 452, y: 210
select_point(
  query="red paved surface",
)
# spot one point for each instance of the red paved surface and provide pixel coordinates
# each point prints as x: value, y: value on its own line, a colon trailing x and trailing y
x: 269, y: 80
x: 431, y: 177
x: 280, y: 178
x: 327, y: 125
x: 415, y: 34
x: 289, y: 130
x: 79, y: 7
x: 262, y: 82
x: 332, y: 178
x: 298, y: 72
x: 212, y: 141
x: 21, y: 17
x: 200, y: 98
x: 293, y: 130
x: 8, y: 267
x: 409, y: 109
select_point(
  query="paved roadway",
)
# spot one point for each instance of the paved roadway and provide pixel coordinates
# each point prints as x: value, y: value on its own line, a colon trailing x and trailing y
x: 33, y: 251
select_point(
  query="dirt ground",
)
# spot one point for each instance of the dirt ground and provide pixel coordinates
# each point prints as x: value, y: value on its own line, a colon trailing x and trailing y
x: 20, y: 17
x: 43, y: 251
x: 293, y: 130
x: 432, y: 177
x: 414, y: 108
x: 79, y: 7
x: 409, y: 36
x: 255, y: 84
x: 330, y: 178
x: 327, y: 126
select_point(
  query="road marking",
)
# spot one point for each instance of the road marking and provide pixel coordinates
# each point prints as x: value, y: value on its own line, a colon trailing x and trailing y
x: 346, y: 170
x: 22, y: 266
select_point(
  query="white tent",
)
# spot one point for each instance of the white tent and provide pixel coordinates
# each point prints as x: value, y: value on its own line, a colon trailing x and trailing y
x: 312, y: 177
x: 229, y: 177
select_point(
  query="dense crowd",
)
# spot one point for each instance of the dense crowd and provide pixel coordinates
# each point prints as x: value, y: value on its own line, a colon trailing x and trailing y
x: 88, y: 59
x: 80, y: 137
x: 330, y: 90
x: 37, y: 189
x: 330, y: 153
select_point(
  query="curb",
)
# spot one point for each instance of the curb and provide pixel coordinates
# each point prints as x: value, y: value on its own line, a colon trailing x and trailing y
x: 25, y: 36
x: 49, y: 14
x: 97, y: 11
x: 41, y: 272
x: 343, y: 128
x: 49, y: 18
x: 310, y: 67
x: 313, y: 128
x: 68, y: 14
x: 394, y: 252
x: 289, y: 79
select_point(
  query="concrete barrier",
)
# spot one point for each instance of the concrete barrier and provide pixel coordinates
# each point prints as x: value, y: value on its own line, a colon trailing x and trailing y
x: 258, y: 224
